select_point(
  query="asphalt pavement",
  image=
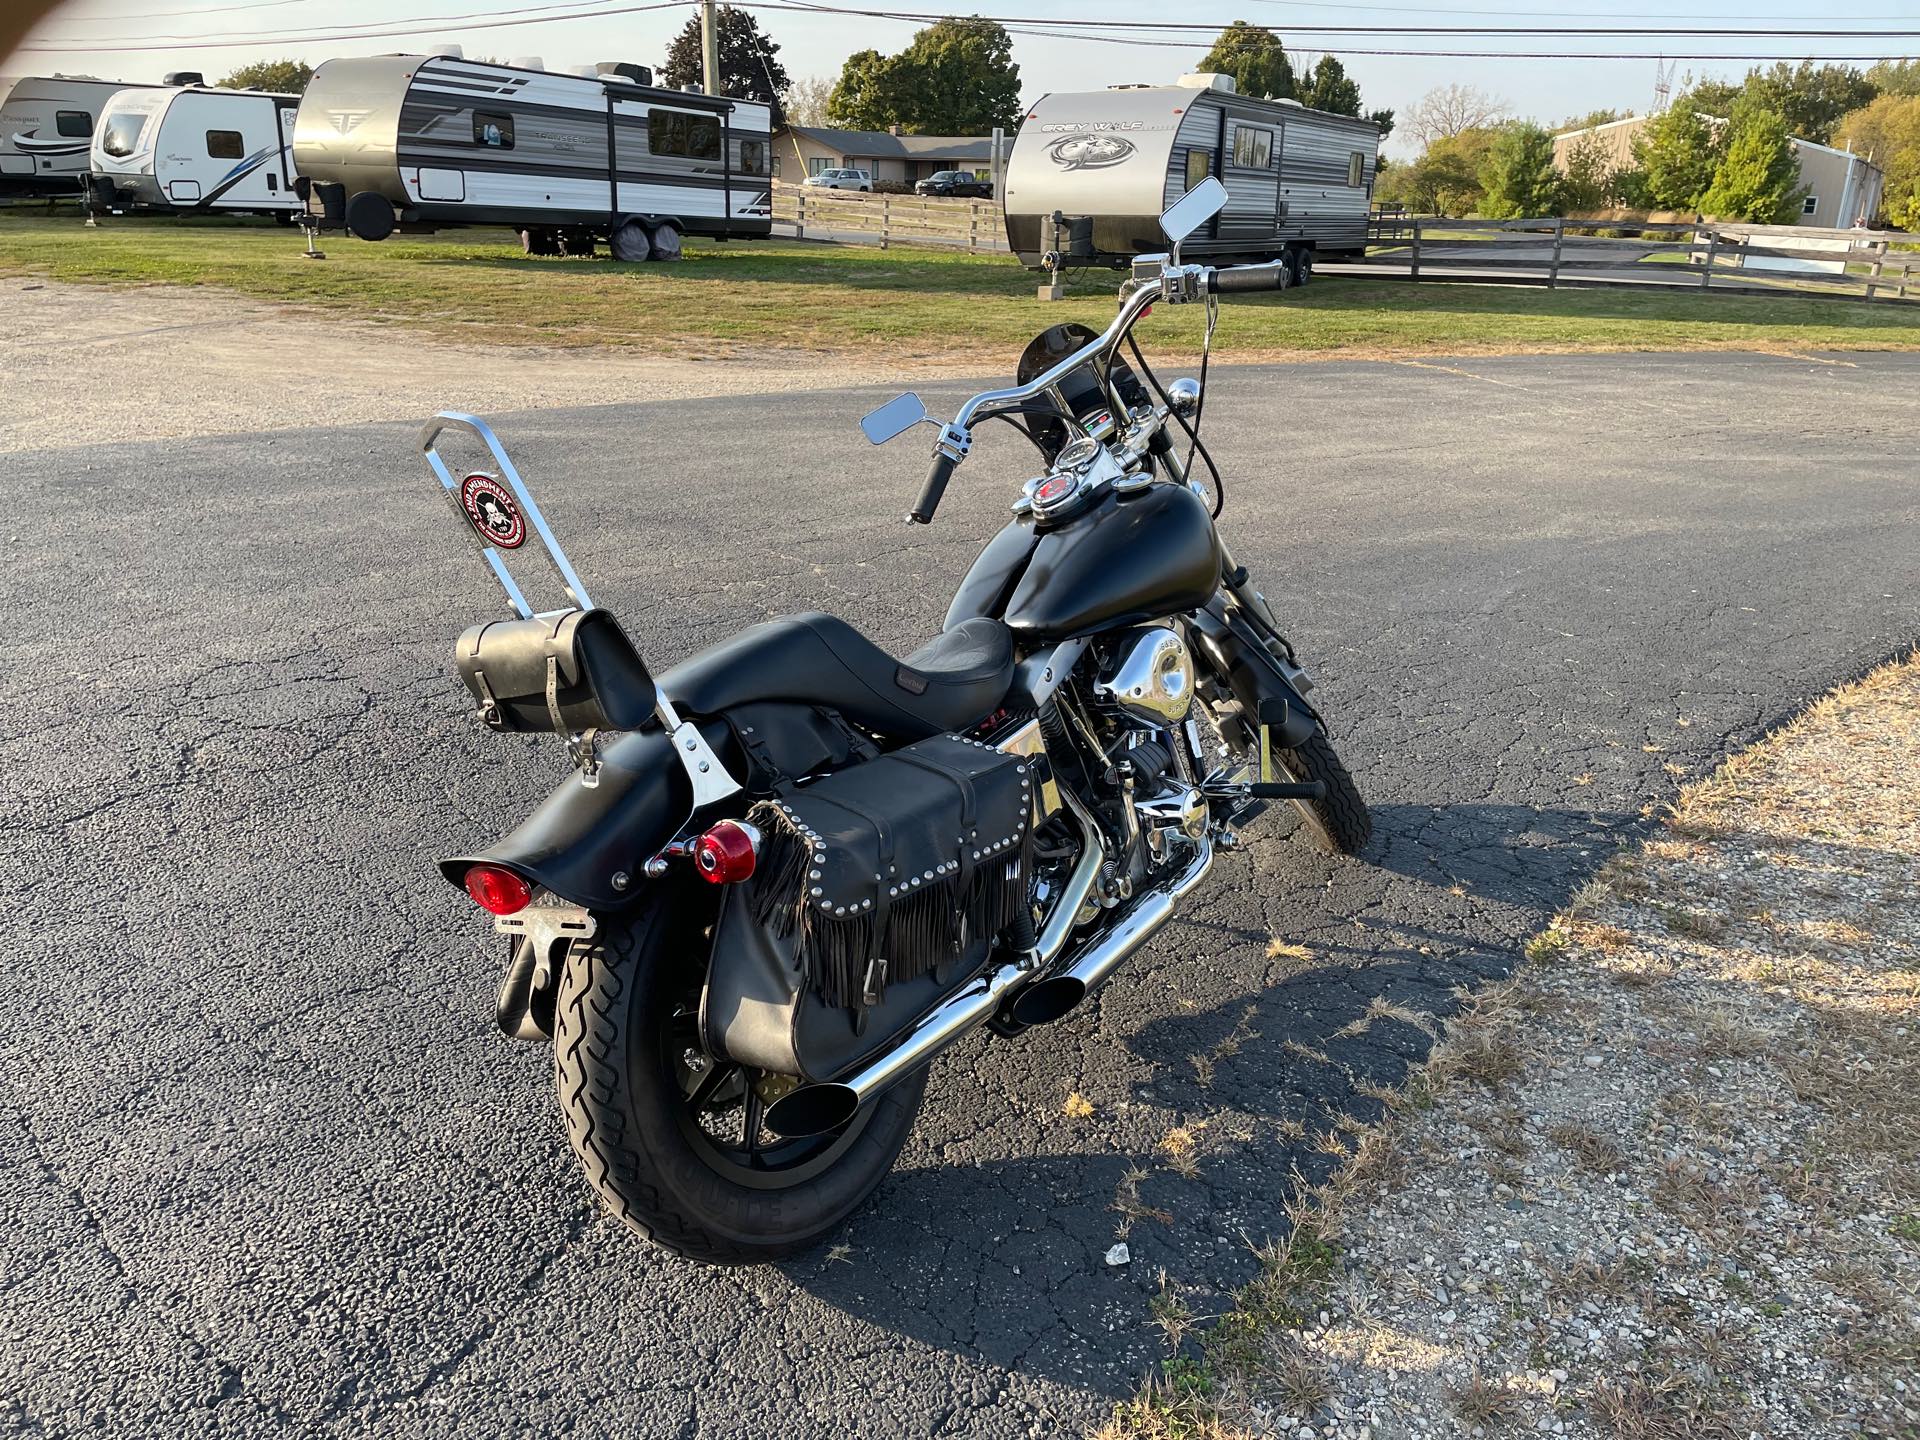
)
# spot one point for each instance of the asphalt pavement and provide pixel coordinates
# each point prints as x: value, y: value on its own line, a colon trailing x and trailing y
x: 268, y: 1168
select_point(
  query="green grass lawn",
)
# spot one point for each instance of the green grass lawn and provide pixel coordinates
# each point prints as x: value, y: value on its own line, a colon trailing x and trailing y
x: 900, y: 303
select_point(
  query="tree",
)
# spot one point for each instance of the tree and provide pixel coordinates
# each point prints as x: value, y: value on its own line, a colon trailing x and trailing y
x: 1518, y: 176
x: 1888, y: 132
x: 749, y: 65
x: 1445, y: 180
x: 1594, y: 118
x: 1383, y: 119
x: 1255, y: 58
x: 282, y: 77
x: 1810, y: 98
x: 1758, y: 178
x: 1679, y: 150
x: 806, y: 101
x: 956, y: 77
x: 1895, y: 77
x: 1587, y: 184
x: 1452, y: 109
x: 1328, y: 88
x: 1712, y: 97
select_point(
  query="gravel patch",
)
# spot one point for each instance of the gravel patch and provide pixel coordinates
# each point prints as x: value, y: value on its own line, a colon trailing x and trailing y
x: 1664, y: 1183
x: 85, y: 366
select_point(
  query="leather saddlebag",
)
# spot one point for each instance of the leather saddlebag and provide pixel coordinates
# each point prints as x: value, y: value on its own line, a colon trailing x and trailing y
x: 879, y: 890
x: 569, y: 672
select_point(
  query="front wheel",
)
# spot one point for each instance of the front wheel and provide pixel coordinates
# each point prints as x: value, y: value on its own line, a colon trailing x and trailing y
x: 1339, y: 819
x: 673, y: 1139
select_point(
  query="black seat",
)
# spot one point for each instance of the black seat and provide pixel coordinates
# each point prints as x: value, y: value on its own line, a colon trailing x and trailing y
x: 947, y: 684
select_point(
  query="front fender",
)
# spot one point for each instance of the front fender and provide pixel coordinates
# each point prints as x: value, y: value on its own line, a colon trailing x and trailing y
x: 582, y: 835
x: 1257, y: 679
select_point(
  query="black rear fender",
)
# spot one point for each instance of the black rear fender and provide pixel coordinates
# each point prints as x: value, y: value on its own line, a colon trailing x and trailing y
x: 582, y: 836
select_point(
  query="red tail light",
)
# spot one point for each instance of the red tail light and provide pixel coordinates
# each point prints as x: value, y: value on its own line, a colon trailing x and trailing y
x: 725, y: 854
x: 495, y: 888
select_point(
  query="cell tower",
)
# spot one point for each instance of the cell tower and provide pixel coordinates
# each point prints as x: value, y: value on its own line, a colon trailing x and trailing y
x: 1662, y: 83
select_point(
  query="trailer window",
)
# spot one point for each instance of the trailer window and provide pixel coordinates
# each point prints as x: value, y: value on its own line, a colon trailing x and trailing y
x: 753, y: 157
x: 73, y: 124
x: 1199, y: 166
x: 225, y: 145
x: 673, y: 132
x: 1252, y: 147
x: 492, y: 130
x: 1356, y: 167
x: 122, y: 135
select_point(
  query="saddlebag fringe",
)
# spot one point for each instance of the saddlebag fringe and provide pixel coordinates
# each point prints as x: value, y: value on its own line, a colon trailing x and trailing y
x: 888, y: 869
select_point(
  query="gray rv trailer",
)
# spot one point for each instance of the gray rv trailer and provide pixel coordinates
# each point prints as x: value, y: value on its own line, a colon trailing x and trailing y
x: 1299, y: 181
x: 46, y: 127
x: 426, y: 141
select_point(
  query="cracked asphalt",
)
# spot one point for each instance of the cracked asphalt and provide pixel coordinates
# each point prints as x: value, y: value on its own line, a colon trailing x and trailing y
x: 268, y: 1169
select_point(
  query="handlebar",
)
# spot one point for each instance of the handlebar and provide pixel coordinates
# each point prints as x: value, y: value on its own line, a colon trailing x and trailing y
x: 929, y: 501
x: 1247, y: 279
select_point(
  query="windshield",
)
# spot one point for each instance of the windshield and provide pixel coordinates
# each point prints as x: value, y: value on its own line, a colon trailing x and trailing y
x: 121, y: 134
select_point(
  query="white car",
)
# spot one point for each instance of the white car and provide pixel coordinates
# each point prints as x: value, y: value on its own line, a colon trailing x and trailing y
x: 841, y: 180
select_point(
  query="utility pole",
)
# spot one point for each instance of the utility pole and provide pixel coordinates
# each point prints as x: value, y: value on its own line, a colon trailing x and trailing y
x: 709, y: 49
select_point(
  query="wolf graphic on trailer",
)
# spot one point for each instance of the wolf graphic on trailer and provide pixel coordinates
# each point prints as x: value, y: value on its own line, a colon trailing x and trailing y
x: 1092, y: 171
x: 428, y: 141
x: 46, y: 129
x: 187, y: 148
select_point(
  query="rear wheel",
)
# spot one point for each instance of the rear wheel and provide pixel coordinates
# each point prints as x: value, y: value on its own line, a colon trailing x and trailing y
x: 673, y: 1139
x: 1340, y: 820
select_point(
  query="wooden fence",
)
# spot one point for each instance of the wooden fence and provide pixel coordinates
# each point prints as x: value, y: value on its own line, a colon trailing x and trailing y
x: 1744, y: 259
x: 974, y: 225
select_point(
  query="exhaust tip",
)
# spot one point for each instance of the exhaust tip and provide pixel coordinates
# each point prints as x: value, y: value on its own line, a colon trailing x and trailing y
x: 811, y: 1110
x: 1046, y: 1001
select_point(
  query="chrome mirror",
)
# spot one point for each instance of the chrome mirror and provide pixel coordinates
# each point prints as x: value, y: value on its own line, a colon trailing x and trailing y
x: 1193, y: 209
x: 896, y: 417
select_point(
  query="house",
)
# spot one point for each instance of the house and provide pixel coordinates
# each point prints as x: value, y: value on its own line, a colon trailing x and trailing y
x: 803, y: 150
x: 1841, y: 187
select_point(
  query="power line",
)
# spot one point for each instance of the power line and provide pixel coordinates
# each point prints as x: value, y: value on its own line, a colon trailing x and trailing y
x: 374, y: 28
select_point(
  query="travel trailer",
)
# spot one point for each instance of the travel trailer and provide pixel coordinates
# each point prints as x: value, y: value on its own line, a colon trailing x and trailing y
x: 427, y: 141
x: 1092, y: 171
x: 185, y: 147
x: 46, y: 127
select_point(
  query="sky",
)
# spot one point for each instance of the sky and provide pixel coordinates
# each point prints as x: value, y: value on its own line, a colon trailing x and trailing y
x: 97, y: 37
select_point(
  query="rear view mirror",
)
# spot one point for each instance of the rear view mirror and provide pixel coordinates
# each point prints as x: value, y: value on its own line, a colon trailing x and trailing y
x: 1193, y: 209
x: 896, y: 417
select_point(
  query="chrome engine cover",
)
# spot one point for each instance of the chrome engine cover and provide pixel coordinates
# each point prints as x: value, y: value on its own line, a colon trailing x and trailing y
x: 1152, y: 680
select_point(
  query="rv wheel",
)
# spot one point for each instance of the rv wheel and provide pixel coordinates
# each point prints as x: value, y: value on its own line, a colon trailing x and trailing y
x: 370, y: 216
x: 631, y: 240
x: 666, y: 242
x: 1302, y: 266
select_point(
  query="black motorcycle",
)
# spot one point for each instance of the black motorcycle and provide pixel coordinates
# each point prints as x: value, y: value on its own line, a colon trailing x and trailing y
x: 803, y: 867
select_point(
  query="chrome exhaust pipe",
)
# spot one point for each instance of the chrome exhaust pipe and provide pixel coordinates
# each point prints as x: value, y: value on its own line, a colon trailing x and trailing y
x: 1047, y: 1000
x: 814, y: 1109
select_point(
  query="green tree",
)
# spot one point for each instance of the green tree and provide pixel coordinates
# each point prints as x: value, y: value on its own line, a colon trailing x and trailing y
x: 1810, y: 98
x: 750, y: 68
x: 1594, y: 118
x: 1895, y: 77
x: 1587, y: 183
x: 1518, y: 176
x: 1328, y: 88
x: 282, y: 77
x: 956, y: 77
x: 1627, y: 187
x: 1888, y: 131
x: 1712, y: 97
x: 1255, y: 58
x: 1679, y: 150
x: 1383, y: 119
x: 1758, y: 179
x: 1445, y: 180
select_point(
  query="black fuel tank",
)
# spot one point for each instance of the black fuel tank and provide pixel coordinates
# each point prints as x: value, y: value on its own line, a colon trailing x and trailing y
x: 1130, y: 558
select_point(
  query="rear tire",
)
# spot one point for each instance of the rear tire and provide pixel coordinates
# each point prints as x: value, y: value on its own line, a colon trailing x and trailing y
x: 1341, y: 820
x: 625, y: 1025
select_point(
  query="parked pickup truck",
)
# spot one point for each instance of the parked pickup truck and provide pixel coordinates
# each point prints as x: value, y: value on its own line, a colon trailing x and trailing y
x: 955, y: 182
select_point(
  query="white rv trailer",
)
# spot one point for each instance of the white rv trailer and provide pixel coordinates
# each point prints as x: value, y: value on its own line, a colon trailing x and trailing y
x: 188, y: 148
x: 1108, y: 162
x: 46, y: 127
x: 427, y: 141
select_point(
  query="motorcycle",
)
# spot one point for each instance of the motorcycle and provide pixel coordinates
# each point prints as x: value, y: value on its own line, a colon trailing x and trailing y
x: 806, y: 867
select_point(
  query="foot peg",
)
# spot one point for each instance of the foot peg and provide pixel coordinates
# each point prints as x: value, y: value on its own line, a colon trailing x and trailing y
x: 1306, y: 790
